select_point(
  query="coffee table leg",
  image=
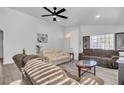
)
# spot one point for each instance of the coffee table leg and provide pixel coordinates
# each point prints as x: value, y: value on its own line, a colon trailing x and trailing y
x: 79, y: 71
x: 94, y: 70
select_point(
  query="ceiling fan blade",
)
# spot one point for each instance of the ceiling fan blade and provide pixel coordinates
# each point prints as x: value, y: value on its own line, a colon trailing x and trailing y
x: 60, y: 11
x: 54, y: 19
x: 46, y: 15
x: 48, y: 10
x: 62, y: 16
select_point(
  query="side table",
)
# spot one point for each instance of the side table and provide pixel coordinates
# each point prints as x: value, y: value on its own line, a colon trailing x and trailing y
x: 72, y: 56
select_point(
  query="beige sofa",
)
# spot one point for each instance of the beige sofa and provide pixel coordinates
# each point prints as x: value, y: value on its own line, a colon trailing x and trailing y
x: 56, y: 56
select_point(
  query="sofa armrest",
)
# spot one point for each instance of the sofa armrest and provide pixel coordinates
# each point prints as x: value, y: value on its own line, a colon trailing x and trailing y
x: 18, y: 59
x: 67, y: 54
x: 47, y: 59
x: 80, y: 56
x: 115, y: 57
x: 114, y: 63
x: 25, y: 78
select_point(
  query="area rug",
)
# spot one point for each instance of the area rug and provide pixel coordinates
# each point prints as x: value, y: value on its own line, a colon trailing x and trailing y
x: 110, y: 76
x: 71, y: 68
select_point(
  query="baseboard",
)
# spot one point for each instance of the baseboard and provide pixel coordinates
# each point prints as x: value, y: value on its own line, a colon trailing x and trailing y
x: 9, y: 62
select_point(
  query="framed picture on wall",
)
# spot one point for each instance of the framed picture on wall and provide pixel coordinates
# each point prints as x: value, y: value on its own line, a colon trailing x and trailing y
x: 119, y: 41
x: 42, y: 38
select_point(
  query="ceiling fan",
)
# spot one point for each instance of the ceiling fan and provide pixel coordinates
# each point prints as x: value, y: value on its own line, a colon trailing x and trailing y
x: 55, y: 13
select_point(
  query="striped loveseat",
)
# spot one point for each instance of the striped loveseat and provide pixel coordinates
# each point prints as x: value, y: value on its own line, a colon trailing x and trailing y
x: 36, y: 71
x: 40, y: 72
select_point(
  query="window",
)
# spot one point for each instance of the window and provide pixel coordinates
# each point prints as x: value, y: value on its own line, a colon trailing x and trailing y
x: 102, y: 41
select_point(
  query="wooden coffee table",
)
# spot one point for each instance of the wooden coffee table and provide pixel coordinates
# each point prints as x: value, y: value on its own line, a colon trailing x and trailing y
x: 86, y: 66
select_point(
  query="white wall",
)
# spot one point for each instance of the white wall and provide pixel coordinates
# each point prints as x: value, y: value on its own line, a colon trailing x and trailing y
x: 90, y: 30
x: 20, y: 31
x: 99, y: 30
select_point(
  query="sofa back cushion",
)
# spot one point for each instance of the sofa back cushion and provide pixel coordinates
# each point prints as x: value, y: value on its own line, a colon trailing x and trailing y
x: 100, y: 52
x: 21, y: 59
x: 53, y: 52
x: 97, y: 52
x: 30, y: 57
x: 109, y: 53
x: 58, y: 52
x: 47, y: 52
x: 88, y: 52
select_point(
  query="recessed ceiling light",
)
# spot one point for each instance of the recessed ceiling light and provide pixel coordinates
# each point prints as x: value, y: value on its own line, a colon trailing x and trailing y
x: 98, y: 16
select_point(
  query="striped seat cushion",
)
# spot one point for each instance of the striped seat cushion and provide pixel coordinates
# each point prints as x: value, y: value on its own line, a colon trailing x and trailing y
x: 43, y: 73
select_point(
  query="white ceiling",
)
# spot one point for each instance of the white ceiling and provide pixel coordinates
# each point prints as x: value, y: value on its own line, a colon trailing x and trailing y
x: 80, y: 15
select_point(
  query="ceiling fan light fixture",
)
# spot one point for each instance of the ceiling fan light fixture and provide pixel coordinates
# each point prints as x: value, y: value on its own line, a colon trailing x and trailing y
x: 54, y: 19
x: 54, y: 16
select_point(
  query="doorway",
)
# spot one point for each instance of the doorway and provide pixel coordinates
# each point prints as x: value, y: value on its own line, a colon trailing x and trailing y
x: 74, y: 43
x: 1, y: 46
